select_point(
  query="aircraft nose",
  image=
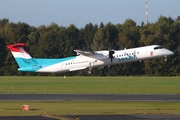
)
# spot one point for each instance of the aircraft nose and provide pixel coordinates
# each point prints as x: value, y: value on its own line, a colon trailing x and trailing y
x: 170, y: 52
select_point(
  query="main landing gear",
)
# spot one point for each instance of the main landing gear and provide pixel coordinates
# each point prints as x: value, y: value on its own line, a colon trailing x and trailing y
x: 165, y: 58
x: 101, y: 71
x: 89, y: 72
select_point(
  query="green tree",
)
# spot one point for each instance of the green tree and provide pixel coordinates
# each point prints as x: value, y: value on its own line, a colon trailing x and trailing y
x: 86, y: 36
x: 55, y: 41
x: 101, y: 39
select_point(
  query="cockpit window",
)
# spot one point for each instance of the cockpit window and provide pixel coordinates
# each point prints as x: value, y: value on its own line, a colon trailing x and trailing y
x: 155, y: 48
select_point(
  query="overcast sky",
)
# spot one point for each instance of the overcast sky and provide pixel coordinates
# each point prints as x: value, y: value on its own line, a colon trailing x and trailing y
x: 82, y: 12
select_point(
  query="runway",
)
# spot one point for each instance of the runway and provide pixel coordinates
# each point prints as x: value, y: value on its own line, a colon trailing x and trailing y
x: 90, y: 97
x: 97, y: 117
x: 94, y: 97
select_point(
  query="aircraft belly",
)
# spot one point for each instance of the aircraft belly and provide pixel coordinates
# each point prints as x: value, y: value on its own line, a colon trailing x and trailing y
x: 123, y: 61
x: 98, y: 63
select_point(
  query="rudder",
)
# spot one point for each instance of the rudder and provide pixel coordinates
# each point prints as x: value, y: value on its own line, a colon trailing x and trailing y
x: 21, y: 56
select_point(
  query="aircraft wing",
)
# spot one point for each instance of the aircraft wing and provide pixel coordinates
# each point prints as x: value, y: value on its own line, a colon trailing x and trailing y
x: 86, y: 53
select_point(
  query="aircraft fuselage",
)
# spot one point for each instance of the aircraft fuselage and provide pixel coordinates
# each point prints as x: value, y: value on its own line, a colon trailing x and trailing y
x: 99, y: 58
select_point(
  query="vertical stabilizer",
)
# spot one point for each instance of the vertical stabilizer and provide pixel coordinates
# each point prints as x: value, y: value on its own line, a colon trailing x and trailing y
x: 21, y: 56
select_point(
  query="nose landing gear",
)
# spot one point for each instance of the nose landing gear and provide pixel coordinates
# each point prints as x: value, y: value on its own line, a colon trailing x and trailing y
x: 90, y: 69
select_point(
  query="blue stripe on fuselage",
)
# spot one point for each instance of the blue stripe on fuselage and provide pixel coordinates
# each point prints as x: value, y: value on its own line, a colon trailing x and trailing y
x: 127, y: 57
x: 39, y: 63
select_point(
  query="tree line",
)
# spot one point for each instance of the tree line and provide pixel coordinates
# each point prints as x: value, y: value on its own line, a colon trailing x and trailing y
x: 55, y: 41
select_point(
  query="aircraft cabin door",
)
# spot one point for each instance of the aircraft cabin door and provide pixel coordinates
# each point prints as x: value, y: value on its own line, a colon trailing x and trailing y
x: 138, y: 54
x: 63, y: 66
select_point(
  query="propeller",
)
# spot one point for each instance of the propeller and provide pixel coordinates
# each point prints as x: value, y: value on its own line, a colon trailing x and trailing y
x: 111, y: 55
x: 111, y: 52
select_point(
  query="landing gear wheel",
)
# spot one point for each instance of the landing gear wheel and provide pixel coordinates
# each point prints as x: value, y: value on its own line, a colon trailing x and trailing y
x: 165, y: 58
x: 89, y: 72
x: 101, y: 72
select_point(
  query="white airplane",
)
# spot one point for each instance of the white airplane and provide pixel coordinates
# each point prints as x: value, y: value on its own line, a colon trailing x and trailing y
x: 85, y: 59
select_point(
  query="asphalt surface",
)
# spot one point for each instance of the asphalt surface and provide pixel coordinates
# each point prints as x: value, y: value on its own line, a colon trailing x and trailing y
x: 128, y: 117
x: 90, y: 97
x: 26, y: 118
x: 98, y: 117
x: 93, y: 97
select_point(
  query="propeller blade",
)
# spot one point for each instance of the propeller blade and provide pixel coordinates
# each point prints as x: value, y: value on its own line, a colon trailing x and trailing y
x: 111, y: 52
x: 111, y: 55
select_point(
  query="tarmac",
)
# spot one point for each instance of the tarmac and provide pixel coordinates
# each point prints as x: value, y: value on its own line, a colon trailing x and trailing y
x: 97, y: 117
x: 93, y: 97
x: 90, y: 97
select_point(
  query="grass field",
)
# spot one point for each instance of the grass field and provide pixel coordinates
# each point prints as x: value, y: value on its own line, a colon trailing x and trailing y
x: 104, y: 85
x: 59, y: 108
x: 99, y: 85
